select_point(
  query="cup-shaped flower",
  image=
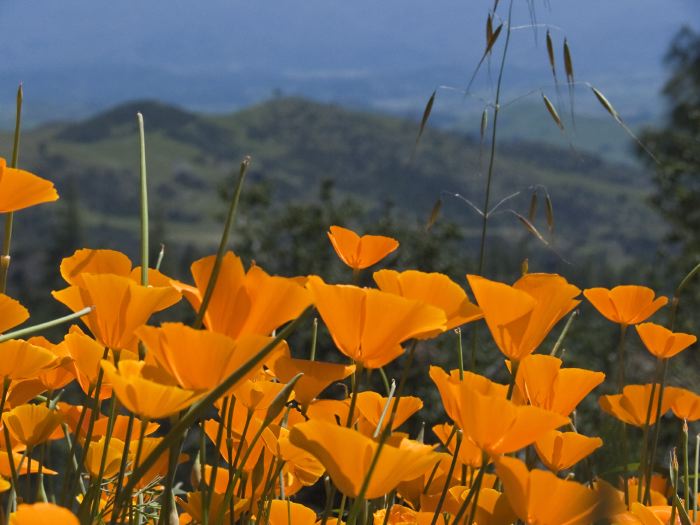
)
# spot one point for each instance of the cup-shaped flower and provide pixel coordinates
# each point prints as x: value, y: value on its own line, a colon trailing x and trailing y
x: 519, y: 317
x: 121, y: 306
x: 12, y: 313
x: 41, y: 514
x: 317, y: 375
x: 347, y: 454
x: 113, y: 455
x: 372, y: 405
x: 491, y: 509
x: 21, y: 189
x: 32, y: 424
x: 468, y: 454
x: 53, y: 378
x: 561, y: 450
x: 432, y: 288
x: 451, y: 387
x: 137, y: 389
x: 369, y: 325
x: 626, y: 304
x: 632, y: 405
x: 199, y: 359
x: 498, y: 426
x: 661, y: 342
x: 360, y: 252
x: 539, y: 497
x: 284, y: 512
x: 22, y: 360
x: 244, y: 303
x: 543, y: 383
x: 684, y: 403
x: 400, y: 515
x: 86, y: 354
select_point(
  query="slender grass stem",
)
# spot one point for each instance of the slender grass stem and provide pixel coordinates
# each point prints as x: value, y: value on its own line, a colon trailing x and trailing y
x: 144, y: 201
x: 621, y: 358
x: 446, y: 487
x: 30, y: 330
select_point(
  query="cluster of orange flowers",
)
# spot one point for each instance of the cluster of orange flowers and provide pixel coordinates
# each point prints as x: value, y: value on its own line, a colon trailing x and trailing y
x: 505, y: 455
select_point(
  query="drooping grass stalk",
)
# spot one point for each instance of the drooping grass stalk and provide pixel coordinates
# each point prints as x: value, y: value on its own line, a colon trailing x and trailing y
x: 144, y: 201
x: 450, y: 472
x: 494, y: 135
x: 562, y: 335
x: 30, y: 330
x: 9, y: 217
x: 230, y: 219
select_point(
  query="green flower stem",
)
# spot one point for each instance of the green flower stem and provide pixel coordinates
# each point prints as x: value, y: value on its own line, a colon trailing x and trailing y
x: 621, y: 358
x: 203, y: 404
x: 657, y: 432
x: 514, y: 365
x: 30, y: 330
x: 124, y: 461
x: 144, y: 201
x: 460, y: 353
x: 476, y: 487
x: 645, y: 439
x: 9, y: 217
x: 230, y: 219
x: 314, y: 339
x: 560, y: 339
x: 446, y: 487
x: 695, y: 479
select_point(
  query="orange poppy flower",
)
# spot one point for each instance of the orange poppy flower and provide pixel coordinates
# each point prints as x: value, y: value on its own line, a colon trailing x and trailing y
x: 22, y: 360
x: 6, y: 471
x: 21, y: 189
x: 492, y: 508
x: 360, y: 252
x: 61, y: 373
x: 661, y: 342
x: 195, y: 503
x: 431, y: 288
x: 317, y: 375
x: 284, y: 512
x: 371, y: 406
x: 627, y: 304
x: 539, y: 497
x: 121, y: 306
x: 369, y: 325
x: 498, y: 426
x: 543, y: 383
x: 330, y: 410
x: 244, y: 303
x: 12, y: 313
x: 42, y: 513
x: 86, y: 354
x: 451, y: 387
x: 468, y: 454
x: 135, y: 387
x: 32, y: 424
x: 632, y: 405
x: 346, y: 454
x: 400, y: 515
x: 561, y: 450
x: 684, y: 403
x: 199, y: 359
x: 519, y: 317
x: 93, y: 457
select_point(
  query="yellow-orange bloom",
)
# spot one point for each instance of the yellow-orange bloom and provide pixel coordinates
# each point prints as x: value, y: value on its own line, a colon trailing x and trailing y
x: 360, y: 252
x: 32, y: 424
x: 369, y: 325
x: 431, y: 288
x: 626, y: 304
x: 400, y: 515
x: 371, y: 406
x: 543, y: 383
x: 632, y: 405
x: 21, y: 189
x: 22, y: 360
x: 285, y: 512
x: 199, y: 359
x: 86, y: 354
x: 561, y: 450
x: 114, y: 453
x: 661, y: 342
x: 244, y: 303
x: 12, y: 313
x: 41, y: 514
x: 121, y: 305
x: 498, y: 426
x: 684, y: 403
x: 136, y: 389
x: 539, y: 497
x: 519, y: 317
x: 317, y: 375
x: 347, y: 454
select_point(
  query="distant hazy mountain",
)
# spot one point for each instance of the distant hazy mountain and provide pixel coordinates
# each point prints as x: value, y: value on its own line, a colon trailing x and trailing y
x: 76, y: 57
